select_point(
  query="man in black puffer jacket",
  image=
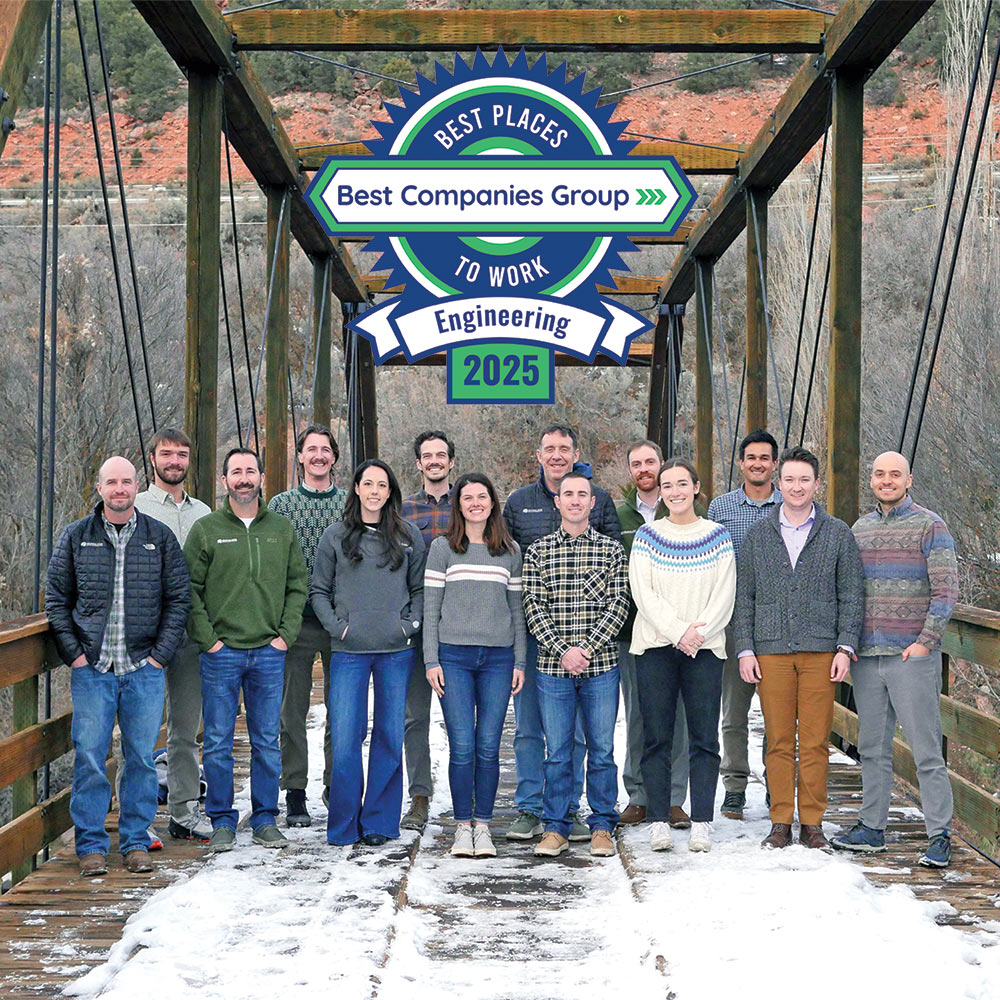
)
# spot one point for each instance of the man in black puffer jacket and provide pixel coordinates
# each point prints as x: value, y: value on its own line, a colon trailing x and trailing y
x: 117, y: 598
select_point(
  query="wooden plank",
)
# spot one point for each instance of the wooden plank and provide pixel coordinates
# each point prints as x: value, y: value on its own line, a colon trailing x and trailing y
x: 276, y: 379
x: 195, y: 33
x: 22, y: 24
x: 534, y: 30
x: 25, y: 835
x: 323, y: 305
x: 24, y: 789
x: 31, y: 748
x: 984, y: 617
x: 17, y: 628
x: 21, y: 659
x: 704, y: 396
x: 968, y: 639
x: 756, y: 346
x: 639, y: 357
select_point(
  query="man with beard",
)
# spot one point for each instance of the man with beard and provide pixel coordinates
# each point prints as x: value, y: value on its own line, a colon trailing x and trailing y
x: 167, y: 502
x: 311, y: 507
x: 117, y: 598
x: 248, y: 589
x: 429, y: 510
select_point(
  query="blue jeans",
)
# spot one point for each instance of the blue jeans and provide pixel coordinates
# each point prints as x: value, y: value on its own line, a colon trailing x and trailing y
x: 260, y: 673
x: 663, y: 673
x: 137, y: 699
x: 349, y: 818
x: 562, y: 701
x: 477, y: 683
x: 529, y: 743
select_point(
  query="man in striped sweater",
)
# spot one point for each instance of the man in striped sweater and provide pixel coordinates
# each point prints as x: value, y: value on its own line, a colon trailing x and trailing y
x: 911, y: 586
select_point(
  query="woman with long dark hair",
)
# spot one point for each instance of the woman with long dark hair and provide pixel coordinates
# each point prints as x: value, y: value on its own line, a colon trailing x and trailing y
x: 474, y: 650
x: 367, y: 590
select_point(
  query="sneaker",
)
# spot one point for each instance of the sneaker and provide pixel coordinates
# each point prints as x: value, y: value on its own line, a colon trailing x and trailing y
x: 155, y: 844
x: 296, y: 812
x: 861, y: 838
x: 659, y: 837
x: 733, y: 805
x: 579, y: 832
x: 679, y: 820
x: 601, y: 844
x: 223, y: 839
x: 701, y: 837
x: 463, y: 846
x: 196, y: 827
x: 551, y: 845
x: 483, y: 841
x: 525, y: 827
x: 938, y: 853
x: 416, y: 815
x: 270, y: 836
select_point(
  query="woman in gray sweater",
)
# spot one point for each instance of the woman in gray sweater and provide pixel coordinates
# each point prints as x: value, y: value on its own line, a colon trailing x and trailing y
x: 367, y: 590
x: 474, y: 650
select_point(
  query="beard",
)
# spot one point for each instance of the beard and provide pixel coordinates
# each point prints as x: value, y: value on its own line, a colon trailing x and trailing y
x: 170, y: 476
x: 243, y: 495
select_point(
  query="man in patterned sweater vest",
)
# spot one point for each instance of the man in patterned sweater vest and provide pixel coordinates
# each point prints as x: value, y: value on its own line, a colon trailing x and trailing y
x: 911, y: 586
x: 312, y: 507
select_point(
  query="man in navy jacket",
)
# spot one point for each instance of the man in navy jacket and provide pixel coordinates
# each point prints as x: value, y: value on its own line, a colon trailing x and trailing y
x: 117, y: 598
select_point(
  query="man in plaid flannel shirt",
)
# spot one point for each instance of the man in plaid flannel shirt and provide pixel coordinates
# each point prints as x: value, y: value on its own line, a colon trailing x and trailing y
x: 576, y: 602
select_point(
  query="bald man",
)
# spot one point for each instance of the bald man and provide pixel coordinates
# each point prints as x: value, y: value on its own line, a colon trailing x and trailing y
x: 911, y: 586
x: 117, y: 597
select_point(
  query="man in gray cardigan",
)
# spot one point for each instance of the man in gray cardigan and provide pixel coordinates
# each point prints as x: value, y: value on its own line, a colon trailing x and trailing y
x: 799, y: 607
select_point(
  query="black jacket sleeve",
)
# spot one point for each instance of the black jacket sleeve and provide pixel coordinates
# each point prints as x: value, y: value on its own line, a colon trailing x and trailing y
x: 60, y: 598
x: 607, y: 522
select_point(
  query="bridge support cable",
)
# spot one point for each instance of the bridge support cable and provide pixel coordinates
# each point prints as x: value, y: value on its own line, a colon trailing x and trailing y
x: 116, y: 266
x: 229, y: 343
x: 706, y: 371
x: 942, y: 235
x: 277, y: 383
x: 812, y: 367
x: 307, y: 355
x: 321, y: 273
x: 739, y: 412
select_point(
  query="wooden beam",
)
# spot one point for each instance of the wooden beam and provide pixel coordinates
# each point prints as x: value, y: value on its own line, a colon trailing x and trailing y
x: 323, y: 305
x: 24, y: 836
x: 195, y: 34
x: 756, y: 347
x: 22, y: 24
x: 638, y: 357
x: 679, y: 237
x: 862, y: 34
x: 276, y: 416
x: 24, y: 790
x: 535, y: 30
x: 704, y: 397
x: 843, y: 422
x: 30, y: 748
x: 202, y: 277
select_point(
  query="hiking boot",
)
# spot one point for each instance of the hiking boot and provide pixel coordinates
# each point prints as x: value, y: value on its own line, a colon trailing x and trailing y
x: 526, y: 827
x: 196, y: 827
x: 93, y: 864
x: 659, y: 837
x: 733, y: 805
x: 812, y: 836
x: 551, y: 845
x: 138, y: 862
x: 938, y: 853
x: 579, y: 832
x: 296, y: 813
x: 155, y: 843
x: 679, y: 819
x: 701, y: 837
x: 482, y: 841
x: 463, y: 846
x: 780, y: 836
x: 601, y: 844
x: 223, y: 839
x: 861, y: 838
x: 270, y: 836
x: 416, y: 815
x: 632, y: 815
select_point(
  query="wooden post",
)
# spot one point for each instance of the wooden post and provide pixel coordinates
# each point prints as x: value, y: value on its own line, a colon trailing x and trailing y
x: 843, y: 434
x: 756, y: 391
x: 704, y: 404
x: 203, y: 191
x: 322, y: 325
x: 24, y: 791
x: 276, y: 389
x: 366, y: 393
x: 22, y: 23
x: 664, y: 375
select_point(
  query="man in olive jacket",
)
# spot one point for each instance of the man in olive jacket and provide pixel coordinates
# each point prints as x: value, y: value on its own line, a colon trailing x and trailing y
x: 248, y: 589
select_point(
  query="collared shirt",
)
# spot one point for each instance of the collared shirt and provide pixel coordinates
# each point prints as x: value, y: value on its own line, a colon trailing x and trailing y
x: 428, y: 515
x: 795, y: 535
x: 159, y: 504
x: 114, y: 649
x: 648, y: 511
x: 738, y: 513
x: 575, y: 594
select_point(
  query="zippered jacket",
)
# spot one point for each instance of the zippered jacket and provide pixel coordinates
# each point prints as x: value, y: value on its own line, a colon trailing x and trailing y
x: 248, y: 585
x: 631, y: 521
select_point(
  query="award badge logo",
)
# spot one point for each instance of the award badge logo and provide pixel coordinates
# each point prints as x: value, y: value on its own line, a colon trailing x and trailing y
x: 500, y: 195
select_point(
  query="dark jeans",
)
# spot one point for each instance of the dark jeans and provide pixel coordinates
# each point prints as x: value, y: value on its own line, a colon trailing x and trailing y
x: 662, y: 673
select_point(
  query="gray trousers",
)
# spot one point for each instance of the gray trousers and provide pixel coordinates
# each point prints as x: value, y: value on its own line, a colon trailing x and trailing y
x: 887, y: 689
x: 416, y: 731
x: 183, y: 689
x: 736, y: 698
x: 631, y: 772
x: 313, y: 639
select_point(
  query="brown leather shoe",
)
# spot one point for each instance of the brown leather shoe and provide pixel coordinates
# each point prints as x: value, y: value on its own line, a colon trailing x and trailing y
x: 138, y: 862
x: 780, y: 836
x: 679, y: 819
x: 812, y: 836
x: 632, y: 815
x: 93, y: 864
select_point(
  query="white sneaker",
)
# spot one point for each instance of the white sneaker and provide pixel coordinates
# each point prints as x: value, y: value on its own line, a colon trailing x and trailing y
x: 701, y: 837
x: 463, y: 847
x: 659, y: 837
x: 482, y: 841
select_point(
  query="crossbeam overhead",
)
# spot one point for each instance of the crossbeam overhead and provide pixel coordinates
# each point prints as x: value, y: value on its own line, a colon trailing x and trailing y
x: 534, y: 30
x: 639, y: 356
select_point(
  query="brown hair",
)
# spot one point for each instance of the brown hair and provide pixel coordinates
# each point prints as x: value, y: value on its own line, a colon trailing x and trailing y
x: 496, y: 534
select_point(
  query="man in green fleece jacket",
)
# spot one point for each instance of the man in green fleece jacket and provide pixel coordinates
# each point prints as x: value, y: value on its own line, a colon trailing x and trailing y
x: 248, y: 589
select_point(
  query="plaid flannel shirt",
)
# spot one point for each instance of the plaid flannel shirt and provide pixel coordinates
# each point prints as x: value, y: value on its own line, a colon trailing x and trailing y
x: 429, y: 516
x: 575, y: 594
x: 114, y: 649
x: 738, y: 513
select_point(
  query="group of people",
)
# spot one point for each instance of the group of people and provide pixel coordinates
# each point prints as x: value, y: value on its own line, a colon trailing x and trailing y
x: 558, y: 598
